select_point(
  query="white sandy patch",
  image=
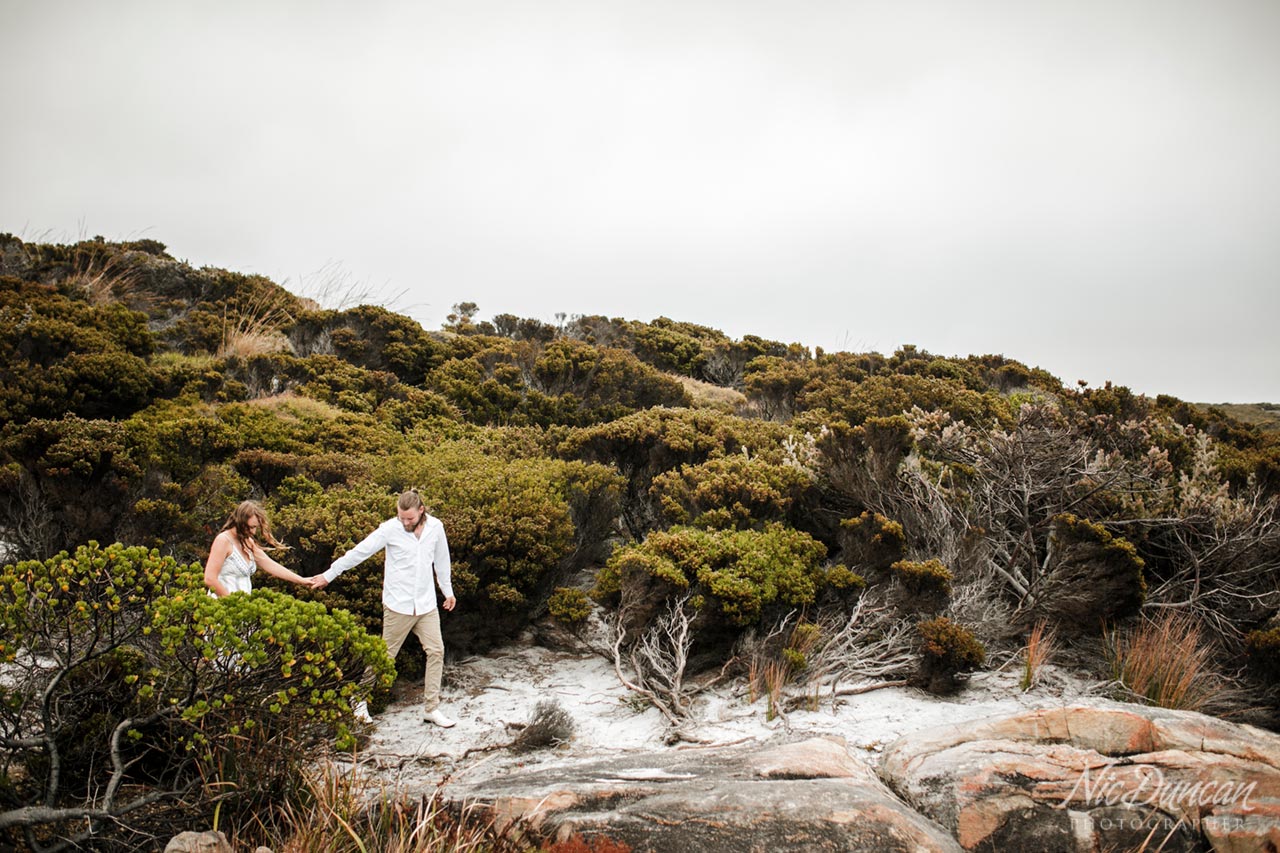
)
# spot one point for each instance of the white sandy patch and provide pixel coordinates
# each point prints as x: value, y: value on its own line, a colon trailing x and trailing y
x: 492, y: 695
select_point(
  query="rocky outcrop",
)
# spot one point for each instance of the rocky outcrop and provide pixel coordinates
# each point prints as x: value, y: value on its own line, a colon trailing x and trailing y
x: 198, y: 842
x: 1086, y: 779
x: 203, y: 842
x: 810, y: 795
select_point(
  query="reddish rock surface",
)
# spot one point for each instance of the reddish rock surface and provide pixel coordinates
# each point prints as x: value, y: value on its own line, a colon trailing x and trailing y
x: 1086, y: 779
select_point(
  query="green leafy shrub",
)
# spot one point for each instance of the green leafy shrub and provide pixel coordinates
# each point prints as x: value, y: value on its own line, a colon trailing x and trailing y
x: 321, y: 525
x: 60, y: 356
x: 672, y: 346
x: 927, y: 581
x: 741, y: 573
x: 872, y: 541
x: 64, y: 481
x: 569, y: 605
x: 277, y: 681
x: 643, y: 445
x: 370, y: 337
x: 842, y: 579
x: 730, y: 491
x: 600, y: 384
x: 517, y: 527
x: 500, y: 381
x: 947, y: 651
x: 128, y: 686
x: 884, y: 396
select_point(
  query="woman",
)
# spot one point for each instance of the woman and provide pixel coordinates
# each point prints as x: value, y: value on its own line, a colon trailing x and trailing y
x: 236, y: 554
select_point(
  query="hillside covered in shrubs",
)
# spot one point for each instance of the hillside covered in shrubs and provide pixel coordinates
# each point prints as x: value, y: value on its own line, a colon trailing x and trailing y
x: 799, y: 518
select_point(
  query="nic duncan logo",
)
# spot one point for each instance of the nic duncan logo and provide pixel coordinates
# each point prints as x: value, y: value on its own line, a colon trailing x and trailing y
x: 1145, y: 785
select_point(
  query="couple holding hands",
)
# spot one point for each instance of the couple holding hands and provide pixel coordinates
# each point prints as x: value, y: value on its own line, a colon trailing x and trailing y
x: 417, y: 558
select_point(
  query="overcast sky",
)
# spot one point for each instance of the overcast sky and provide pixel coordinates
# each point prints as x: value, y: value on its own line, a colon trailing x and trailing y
x: 1088, y: 187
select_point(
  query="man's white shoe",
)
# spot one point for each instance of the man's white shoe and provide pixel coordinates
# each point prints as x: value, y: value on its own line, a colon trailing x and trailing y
x: 361, y: 712
x: 437, y: 716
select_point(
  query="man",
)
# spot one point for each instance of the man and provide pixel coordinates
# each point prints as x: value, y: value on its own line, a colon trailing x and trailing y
x: 417, y: 557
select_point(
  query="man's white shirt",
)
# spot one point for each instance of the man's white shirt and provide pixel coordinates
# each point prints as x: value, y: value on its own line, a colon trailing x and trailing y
x: 408, y: 586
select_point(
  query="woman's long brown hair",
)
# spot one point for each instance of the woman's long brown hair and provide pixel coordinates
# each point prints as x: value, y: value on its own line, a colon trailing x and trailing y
x: 238, y: 522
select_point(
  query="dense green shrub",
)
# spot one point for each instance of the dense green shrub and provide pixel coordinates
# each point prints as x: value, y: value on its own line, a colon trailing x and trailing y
x: 674, y: 347
x: 947, y: 651
x: 63, y: 482
x: 276, y: 680
x: 728, y: 491
x: 892, y: 394
x: 370, y: 337
x: 516, y: 528
x: 741, y: 573
x: 500, y: 381
x: 924, y: 580
x: 644, y: 445
x: 773, y: 384
x: 523, y: 328
x: 59, y: 355
x: 569, y: 605
x: 321, y: 525
x: 872, y: 542
x: 599, y: 384
x: 126, y: 685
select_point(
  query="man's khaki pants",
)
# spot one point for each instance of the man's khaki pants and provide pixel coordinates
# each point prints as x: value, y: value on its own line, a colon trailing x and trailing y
x: 396, y: 626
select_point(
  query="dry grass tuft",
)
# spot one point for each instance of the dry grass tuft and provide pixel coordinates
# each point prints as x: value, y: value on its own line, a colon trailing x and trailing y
x: 335, y: 289
x: 707, y: 396
x: 1041, y: 645
x: 550, y: 726
x: 290, y: 406
x: 253, y: 328
x: 345, y: 812
x: 1166, y: 661
x: 106, y: 282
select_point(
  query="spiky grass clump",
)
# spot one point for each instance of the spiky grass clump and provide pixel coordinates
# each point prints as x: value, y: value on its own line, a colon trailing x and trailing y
x: 1041, y: 644
x: 550, y: 726
x: 1165, y: 661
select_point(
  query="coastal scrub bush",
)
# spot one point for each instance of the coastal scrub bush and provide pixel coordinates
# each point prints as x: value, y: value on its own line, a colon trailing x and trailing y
x: 64, y: 481
x: 596, y: 384
x: 1093, y: 576
x: 134, y: 701
x: 947, y: 651
x: 927, y: 584
x: 872, y: 542
x: 645, y: 444
x: 517, y: 527
x: 371, y: 337
x: 569, y: 606
x: 774, y: 383
x: 739, y: 573
x: 673, y: 346
x: 728, y: 491
x: 884, y: 396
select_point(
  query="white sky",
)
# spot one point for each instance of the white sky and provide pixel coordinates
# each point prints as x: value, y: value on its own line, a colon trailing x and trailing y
x: 1088, y: 186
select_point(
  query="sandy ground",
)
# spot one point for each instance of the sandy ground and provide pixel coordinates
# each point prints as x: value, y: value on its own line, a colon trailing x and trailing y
x: 492, y: 695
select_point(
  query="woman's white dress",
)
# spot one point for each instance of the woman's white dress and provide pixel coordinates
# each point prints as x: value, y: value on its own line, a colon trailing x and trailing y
x: 237, y: 571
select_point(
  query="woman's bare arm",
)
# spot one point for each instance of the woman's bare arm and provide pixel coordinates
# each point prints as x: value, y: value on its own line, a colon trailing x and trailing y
x: 217, y: 555
x: 271, y: 567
